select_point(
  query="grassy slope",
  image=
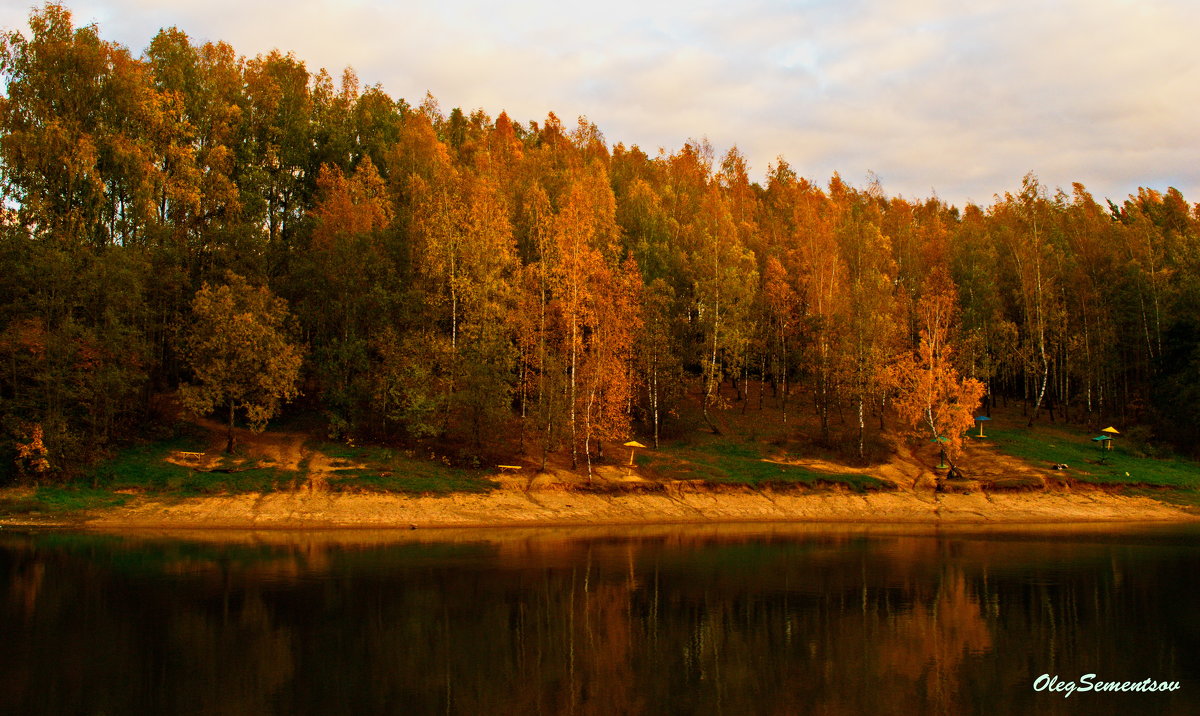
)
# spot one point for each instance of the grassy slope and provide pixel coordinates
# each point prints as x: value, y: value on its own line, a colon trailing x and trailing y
x: 744, y: 456
x: 387, y: 470
x: 1049, y: 445
x: 143, y: 469
x: 730, y: 461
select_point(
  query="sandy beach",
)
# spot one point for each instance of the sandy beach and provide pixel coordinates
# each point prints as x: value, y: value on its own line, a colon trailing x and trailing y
x: 677, y: 504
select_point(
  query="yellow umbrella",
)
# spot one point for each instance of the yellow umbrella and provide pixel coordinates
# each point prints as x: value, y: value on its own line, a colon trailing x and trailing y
x: 1111, y: 430
x: 633, y: 444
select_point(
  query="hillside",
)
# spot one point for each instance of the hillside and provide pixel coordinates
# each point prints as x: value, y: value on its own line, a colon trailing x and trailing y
x: 757, y: 469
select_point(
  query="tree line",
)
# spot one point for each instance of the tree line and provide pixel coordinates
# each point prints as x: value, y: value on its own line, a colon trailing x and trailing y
x: 487, y: 282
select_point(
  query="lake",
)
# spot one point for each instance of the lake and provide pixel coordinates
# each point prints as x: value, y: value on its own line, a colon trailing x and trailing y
x: 737, y: 619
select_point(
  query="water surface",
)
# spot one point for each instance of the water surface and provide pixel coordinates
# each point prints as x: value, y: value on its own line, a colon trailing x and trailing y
x: 721, y: 620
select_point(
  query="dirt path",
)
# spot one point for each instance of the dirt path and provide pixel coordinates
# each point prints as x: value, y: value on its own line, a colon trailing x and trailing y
x: 909, y: 470
x: 274, y: 449
x: 319, y: 469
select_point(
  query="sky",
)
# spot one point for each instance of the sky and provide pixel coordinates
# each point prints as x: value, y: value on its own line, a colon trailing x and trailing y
x: 948, y: 98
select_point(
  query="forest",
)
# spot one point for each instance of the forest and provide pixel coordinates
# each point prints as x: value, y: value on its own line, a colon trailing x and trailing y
x: 257, y: 240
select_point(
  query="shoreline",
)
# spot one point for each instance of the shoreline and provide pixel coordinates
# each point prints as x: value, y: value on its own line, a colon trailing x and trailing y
x: 306, y: 510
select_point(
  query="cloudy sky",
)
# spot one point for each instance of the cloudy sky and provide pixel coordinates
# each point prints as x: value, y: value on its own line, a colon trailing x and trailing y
x: 955, y: 98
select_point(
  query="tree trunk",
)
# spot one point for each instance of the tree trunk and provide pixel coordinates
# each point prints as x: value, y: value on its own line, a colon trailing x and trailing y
x: 862, y: 429
x: 783, y: 401
x: 1041, y: 392
x: 574, y: 432
x: 745, y: 395
x: 549, y: 435
x: 654, y: 399
x: 229, y: 442
x: 762, y: 378
x: 708, y: 418
x: 587, y: 426
x: 711, y: 384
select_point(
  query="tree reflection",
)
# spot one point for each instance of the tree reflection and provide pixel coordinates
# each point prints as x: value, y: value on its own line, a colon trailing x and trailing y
x: 673, y: 623
x: 928, y: 644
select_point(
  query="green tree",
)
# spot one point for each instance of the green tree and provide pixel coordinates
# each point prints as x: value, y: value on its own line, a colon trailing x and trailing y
x: 240, y: 353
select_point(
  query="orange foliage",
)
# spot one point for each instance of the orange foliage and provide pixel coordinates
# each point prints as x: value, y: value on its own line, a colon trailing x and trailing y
x: 932, y: 399
x: 32, y: 455
x: 349, y: 206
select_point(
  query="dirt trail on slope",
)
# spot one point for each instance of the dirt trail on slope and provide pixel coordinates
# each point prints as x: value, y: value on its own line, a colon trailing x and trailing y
x: 281, y: 450
x: 910, y: 471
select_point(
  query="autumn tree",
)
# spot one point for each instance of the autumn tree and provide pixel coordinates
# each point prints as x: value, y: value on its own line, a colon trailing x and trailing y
x: 659, y: 369
x: 1091, y: 346
x: 1026, y: 221
x: 781, y: 308
x: 279, y: 173
x: 537, y: 375
x: 932, y: 399
x: 76, y: 124
x: 486, y: 360
x: 725, y: 277
x: 583, y: 226
x: 986, y: 335
x: 870, y: 330
x: 239, y: 353
x: 607, y: 374
x: 344, y: 287
x: 720, y: 272
x: 824, y: 292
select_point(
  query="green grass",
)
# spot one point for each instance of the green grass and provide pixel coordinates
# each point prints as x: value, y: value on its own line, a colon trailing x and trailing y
x: 1045, y: 447
x: 355, y: 452
x: 259, y: 479
x: 144, y: 468
x: 391, y: 471
x: 737, y: 463
x: 61, y: 501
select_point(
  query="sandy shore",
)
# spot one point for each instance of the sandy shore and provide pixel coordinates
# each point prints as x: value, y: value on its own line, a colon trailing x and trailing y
x: 519, y: 508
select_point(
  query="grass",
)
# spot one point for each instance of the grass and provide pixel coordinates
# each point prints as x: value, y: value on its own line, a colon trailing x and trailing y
x: 1073, y: 447
x: 144, y: 468
x: 60, y: 501
x: 738, y: 463
x: 379, y: 469
x: 258, y: 479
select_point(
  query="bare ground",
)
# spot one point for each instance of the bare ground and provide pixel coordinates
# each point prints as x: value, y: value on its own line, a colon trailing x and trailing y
x: 682, y: 504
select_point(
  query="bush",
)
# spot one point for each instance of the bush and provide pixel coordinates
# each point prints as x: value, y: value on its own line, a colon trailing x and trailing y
x: 1140, y: 441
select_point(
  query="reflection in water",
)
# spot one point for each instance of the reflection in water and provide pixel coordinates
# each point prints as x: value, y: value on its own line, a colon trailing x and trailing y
x: 653, y: 620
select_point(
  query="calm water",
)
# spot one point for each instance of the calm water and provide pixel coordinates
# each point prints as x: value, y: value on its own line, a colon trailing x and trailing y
x: 737, y: 620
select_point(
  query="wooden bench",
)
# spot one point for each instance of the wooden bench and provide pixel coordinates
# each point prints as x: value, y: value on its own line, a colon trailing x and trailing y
x: 190, y: 454
x: 506, y: 468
